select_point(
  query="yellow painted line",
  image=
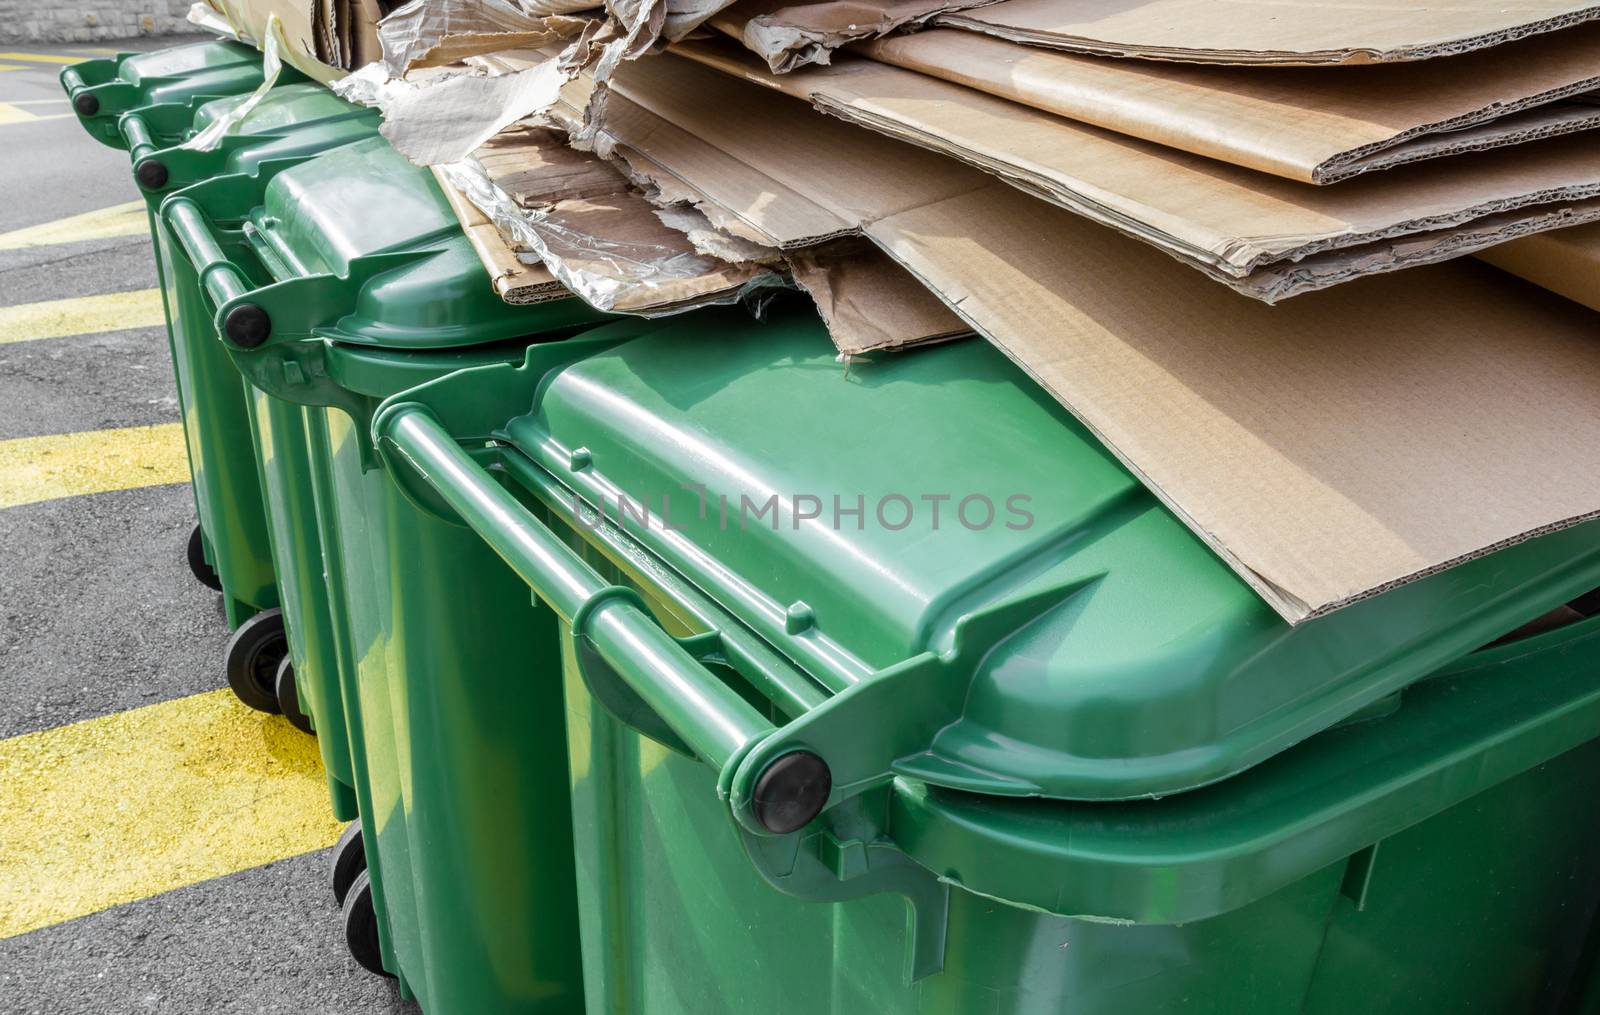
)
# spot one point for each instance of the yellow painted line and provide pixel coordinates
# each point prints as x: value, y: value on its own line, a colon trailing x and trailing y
x: 126, y: 219
x: 6, y: 121
x: 34, y: 469
x: 42, y: 58
x: 81, y: 315
x: 130, y: 805
x: 11, y: 66
x: 11, y: 113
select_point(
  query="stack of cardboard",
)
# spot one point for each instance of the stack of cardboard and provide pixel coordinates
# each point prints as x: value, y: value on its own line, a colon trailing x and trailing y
x: 1072, y: 179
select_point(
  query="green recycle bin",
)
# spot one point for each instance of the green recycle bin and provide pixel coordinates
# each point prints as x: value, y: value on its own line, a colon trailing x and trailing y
x: 1045, y: 753
x: 277, y: 657
x: 102, y: 90
x: 144, y: 101
x: 340, y: 282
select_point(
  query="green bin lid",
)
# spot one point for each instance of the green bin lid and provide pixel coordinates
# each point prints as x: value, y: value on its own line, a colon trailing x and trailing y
x: 1137, y: 664
x: 327, y: 214
x: 201, y: 60
x: 102, y: 90
x: 281, y: 110
x: 289, y: 122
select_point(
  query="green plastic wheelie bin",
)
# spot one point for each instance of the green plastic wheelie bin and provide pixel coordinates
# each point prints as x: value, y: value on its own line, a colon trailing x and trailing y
x: 139, y: 102
x: 279, y: 659
x: 895, y: 692
x: 339, y: 282
x: 102, y: 90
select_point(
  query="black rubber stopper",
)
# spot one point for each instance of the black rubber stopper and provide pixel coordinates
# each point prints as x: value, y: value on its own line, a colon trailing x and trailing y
x: 86, y: 104
x: 791, y: 792
x: 247, y: 325
x: 151, y: 174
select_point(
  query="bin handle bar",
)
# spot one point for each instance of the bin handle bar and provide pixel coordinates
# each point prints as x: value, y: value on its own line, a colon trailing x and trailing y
x: 710, y: 717
x: 219, y: 277
x: 72, y: 81
x: 137, y: 135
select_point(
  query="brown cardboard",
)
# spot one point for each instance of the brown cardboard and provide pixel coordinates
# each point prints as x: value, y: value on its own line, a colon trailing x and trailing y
x: 439, y: 34
x: 1327, y: 449
x: 597, y: 235
x: 438, y: 115
x: 513, y: 280
x: 296, y: 37
x: 1309, y: 124
x: 868, y: 301
x: 362, y: 17
x: 1565, y: 261
x: 1267, y: 237
x: 1271, y: 31
x: 789, y: 35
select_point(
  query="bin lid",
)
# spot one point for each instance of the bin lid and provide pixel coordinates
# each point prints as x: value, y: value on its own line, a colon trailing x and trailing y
x: 289, y: 121
x: 1130, y: 660
x: 321, y: 216
x: 281, y: 109
x: 188, y: 61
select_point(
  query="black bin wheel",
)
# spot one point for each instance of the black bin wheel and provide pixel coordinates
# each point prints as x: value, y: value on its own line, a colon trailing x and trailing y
x: 288, y: 693
x: 203, y: 572
x: 349, y: 860
x: 253, y: 655
x: 361, y: 926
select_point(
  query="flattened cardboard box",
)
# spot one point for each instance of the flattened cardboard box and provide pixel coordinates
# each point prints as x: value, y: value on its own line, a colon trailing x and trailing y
x: 1565, y: 261
x: 1267, y: 237
x: 1285, y: 32
x: 1314, y: 125
x: 595, y: 233
x: 1328, y: 449
x: 1262, y: 32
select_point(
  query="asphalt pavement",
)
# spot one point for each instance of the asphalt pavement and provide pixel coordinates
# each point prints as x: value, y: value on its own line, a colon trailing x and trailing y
x: 99, y: 615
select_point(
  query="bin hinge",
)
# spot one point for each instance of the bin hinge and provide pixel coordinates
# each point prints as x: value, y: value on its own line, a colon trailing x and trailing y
x: 829, y: 865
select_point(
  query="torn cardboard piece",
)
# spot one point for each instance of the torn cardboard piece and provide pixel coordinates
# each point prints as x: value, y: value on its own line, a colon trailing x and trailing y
x: 869, y: 302
x: 600, y: 238
x: 1327, y: 450
x: 428, y: 33
x: 296, y: 31
x: 1564, y: 261
x: 1284, y: 32
x: 445, y: 118
x: 788, y: 35
x: 513, y: 280
x: 1267, y: 237
x: 1309, y: 124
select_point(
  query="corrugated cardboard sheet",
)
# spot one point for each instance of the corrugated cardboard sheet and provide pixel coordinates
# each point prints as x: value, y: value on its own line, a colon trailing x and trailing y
x: 434, y: 34
x: 1565, y: 261
x: 1327, y: 449
x: 1271, y: 31
x: 869, y: 302
x: 596, y: 234
x: 1266, y: 237
x: 1314, y: 125
x: 789, y: 35
x: 513, y: 280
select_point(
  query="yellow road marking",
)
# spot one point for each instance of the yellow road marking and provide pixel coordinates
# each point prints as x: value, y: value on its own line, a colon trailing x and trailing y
x: 130, y: 805
x: 81, y: 315
x: 101, y: 224
x: 10, y: 113
x: 42, y: 58
x: 10, y: 116
x: 34, y: 469
x: 11, y: 66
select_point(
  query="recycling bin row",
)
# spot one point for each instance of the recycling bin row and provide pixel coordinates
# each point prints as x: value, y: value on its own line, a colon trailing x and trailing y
x: 669, y: 668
